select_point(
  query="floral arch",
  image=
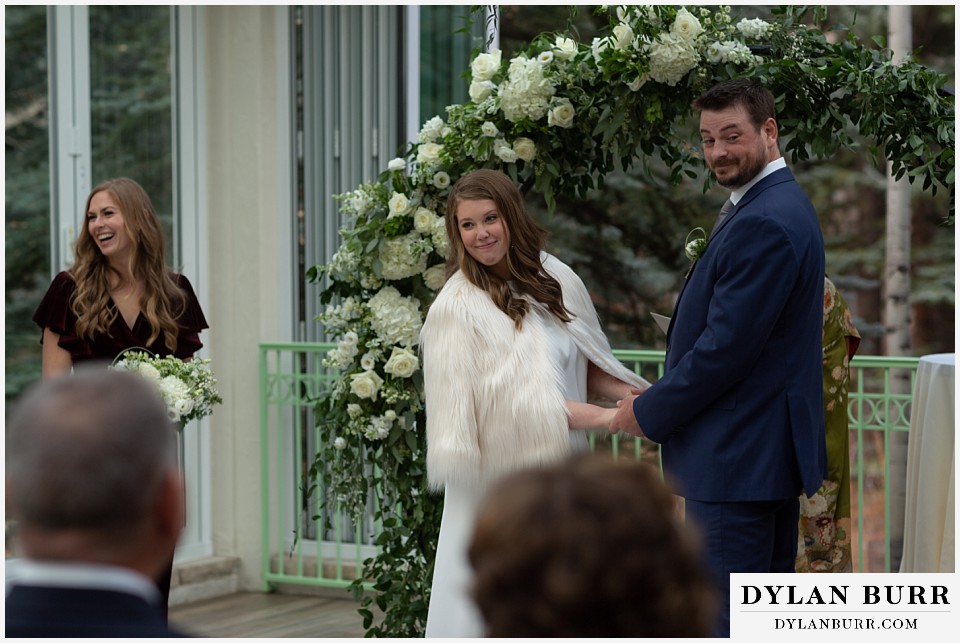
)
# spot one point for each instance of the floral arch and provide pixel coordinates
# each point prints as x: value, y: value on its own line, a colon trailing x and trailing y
x: 557, y: 118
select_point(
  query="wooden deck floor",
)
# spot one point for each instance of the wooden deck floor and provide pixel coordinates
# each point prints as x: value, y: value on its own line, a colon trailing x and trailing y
x: 259, y: 615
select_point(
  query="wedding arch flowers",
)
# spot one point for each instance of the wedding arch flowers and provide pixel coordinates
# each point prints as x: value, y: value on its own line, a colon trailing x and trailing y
x: 556, y: 118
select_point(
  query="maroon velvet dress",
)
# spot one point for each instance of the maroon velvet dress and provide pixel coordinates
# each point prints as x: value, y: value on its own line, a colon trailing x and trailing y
x: 54, y: 312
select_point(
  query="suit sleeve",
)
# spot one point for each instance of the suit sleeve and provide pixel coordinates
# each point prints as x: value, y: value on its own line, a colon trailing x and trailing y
x: 757, y: 265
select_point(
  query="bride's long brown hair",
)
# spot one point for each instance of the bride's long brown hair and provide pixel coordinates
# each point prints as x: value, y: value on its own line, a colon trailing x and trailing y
x: 526, y: 239
x: 162, y: 301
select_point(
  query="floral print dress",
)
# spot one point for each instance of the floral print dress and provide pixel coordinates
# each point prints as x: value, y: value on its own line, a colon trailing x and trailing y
x: 824, y: 543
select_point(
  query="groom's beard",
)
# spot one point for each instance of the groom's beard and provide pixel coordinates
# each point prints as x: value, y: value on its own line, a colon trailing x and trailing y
x: 749, y: 166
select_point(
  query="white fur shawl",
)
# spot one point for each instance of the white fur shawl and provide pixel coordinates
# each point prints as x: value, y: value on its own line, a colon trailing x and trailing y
x: 494, y: 397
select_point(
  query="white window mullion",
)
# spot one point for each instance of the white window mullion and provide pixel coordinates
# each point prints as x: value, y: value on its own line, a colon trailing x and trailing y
x: 69, y: 92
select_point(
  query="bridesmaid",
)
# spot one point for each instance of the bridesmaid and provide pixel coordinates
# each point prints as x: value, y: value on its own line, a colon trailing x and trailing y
x: 118, y: 294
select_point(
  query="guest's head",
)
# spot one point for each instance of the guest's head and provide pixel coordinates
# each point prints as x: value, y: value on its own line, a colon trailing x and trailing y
x: 494, y: 239
x: 92, y: 472
x: 122, y: 228
x: 590, y: 547
x: 122, y: 243
x: 739, y: 130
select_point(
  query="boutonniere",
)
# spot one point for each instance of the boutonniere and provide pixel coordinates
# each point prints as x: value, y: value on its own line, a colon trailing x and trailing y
x: 695, y: 246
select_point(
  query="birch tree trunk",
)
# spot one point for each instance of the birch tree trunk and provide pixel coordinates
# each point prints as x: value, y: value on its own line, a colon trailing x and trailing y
x: 896, y: 283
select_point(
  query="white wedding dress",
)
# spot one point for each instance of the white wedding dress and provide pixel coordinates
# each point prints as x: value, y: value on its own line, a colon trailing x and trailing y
x: 452, y: 612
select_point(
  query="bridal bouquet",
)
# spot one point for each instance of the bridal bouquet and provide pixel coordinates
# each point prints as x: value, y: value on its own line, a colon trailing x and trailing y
x: 187, y: 388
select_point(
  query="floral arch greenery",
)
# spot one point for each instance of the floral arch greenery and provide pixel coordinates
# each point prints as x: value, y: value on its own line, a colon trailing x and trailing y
x: 557, y: 118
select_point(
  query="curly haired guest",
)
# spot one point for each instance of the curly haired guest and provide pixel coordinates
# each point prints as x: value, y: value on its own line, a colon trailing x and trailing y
x: 588, y: 548
x: 119, y: 293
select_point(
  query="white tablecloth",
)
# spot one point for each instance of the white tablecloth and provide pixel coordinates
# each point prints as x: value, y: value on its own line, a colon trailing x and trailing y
x: 928, y: 536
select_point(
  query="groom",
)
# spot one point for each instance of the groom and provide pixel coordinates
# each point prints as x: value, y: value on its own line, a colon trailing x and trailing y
x: 739, y: 410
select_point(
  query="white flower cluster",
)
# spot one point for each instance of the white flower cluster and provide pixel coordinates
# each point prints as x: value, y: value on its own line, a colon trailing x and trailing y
x: 187, y: 388
x: 342, y: 356
x: 674, y: 53
x: 404, y: 256
x: 396, y: 319
x: 527, y: 91
x: 729, y: 51
x: 756, y: 28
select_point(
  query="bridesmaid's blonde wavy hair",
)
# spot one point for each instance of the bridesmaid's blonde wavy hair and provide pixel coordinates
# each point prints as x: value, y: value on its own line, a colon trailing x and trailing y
x: 525, y: 237
x: 162, y: 301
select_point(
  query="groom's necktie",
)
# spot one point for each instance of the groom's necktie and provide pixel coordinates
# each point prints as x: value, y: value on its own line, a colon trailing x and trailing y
x: 724, y: 211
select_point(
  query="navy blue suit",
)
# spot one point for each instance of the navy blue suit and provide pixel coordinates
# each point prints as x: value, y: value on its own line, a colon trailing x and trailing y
x: 33, y: 611
x: 739, y: 409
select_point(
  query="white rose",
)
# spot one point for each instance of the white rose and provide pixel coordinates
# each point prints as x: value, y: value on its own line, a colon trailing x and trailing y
x: 434, y: 277
x: 561, y: 115
x: 398, y: 204
x: 339, y: 444
x: 686, y: 25
x: 397, y: 165
x: 545, y: 58
x: 369, y: 361
x: 480, y: 89
x: 565, y: 48
x: 504, y: 151
x: 402, y: 363
x: 183, y: 406
x: 429, y: 153
x: 423, y: 219
x: 525, y: 148
x: 441, y: 180
x: 350, y: 338
x: 485, y: 66
x: 365, y: 385
x: 489, y: 129
x: 623, y: 36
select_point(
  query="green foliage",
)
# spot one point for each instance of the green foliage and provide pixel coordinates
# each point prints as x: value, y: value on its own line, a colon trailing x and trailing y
x: 561, y: 118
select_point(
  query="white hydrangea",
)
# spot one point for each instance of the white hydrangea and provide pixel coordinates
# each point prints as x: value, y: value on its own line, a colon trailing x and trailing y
x: 354, y: 411
x: 378, y: 429
x: 174, y: 392
x: 441, y: 242
x: 402, y: 363
x: 395, y: 319
x: 755, y: 28
x: 402, y: 257
x: 525, y: 148
x: 431, y: 130
x: 526, y: 92
x: 565, y: 48
x: 671, y: 57
x: 485, y: 66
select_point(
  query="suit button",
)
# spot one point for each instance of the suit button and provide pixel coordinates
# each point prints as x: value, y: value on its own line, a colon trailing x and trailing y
x: 668, y: 348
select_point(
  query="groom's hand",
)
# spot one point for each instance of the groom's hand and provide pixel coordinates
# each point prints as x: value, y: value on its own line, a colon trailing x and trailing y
x: 625, y: 420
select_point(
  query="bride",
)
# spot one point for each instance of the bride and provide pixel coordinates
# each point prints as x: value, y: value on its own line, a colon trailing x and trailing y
x: 512, y: 350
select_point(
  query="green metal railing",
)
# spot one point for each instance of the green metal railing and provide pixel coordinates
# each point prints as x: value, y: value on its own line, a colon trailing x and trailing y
x: 299, y: 549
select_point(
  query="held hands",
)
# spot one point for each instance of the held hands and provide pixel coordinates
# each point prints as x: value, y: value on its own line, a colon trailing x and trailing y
x: 624, y: 419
